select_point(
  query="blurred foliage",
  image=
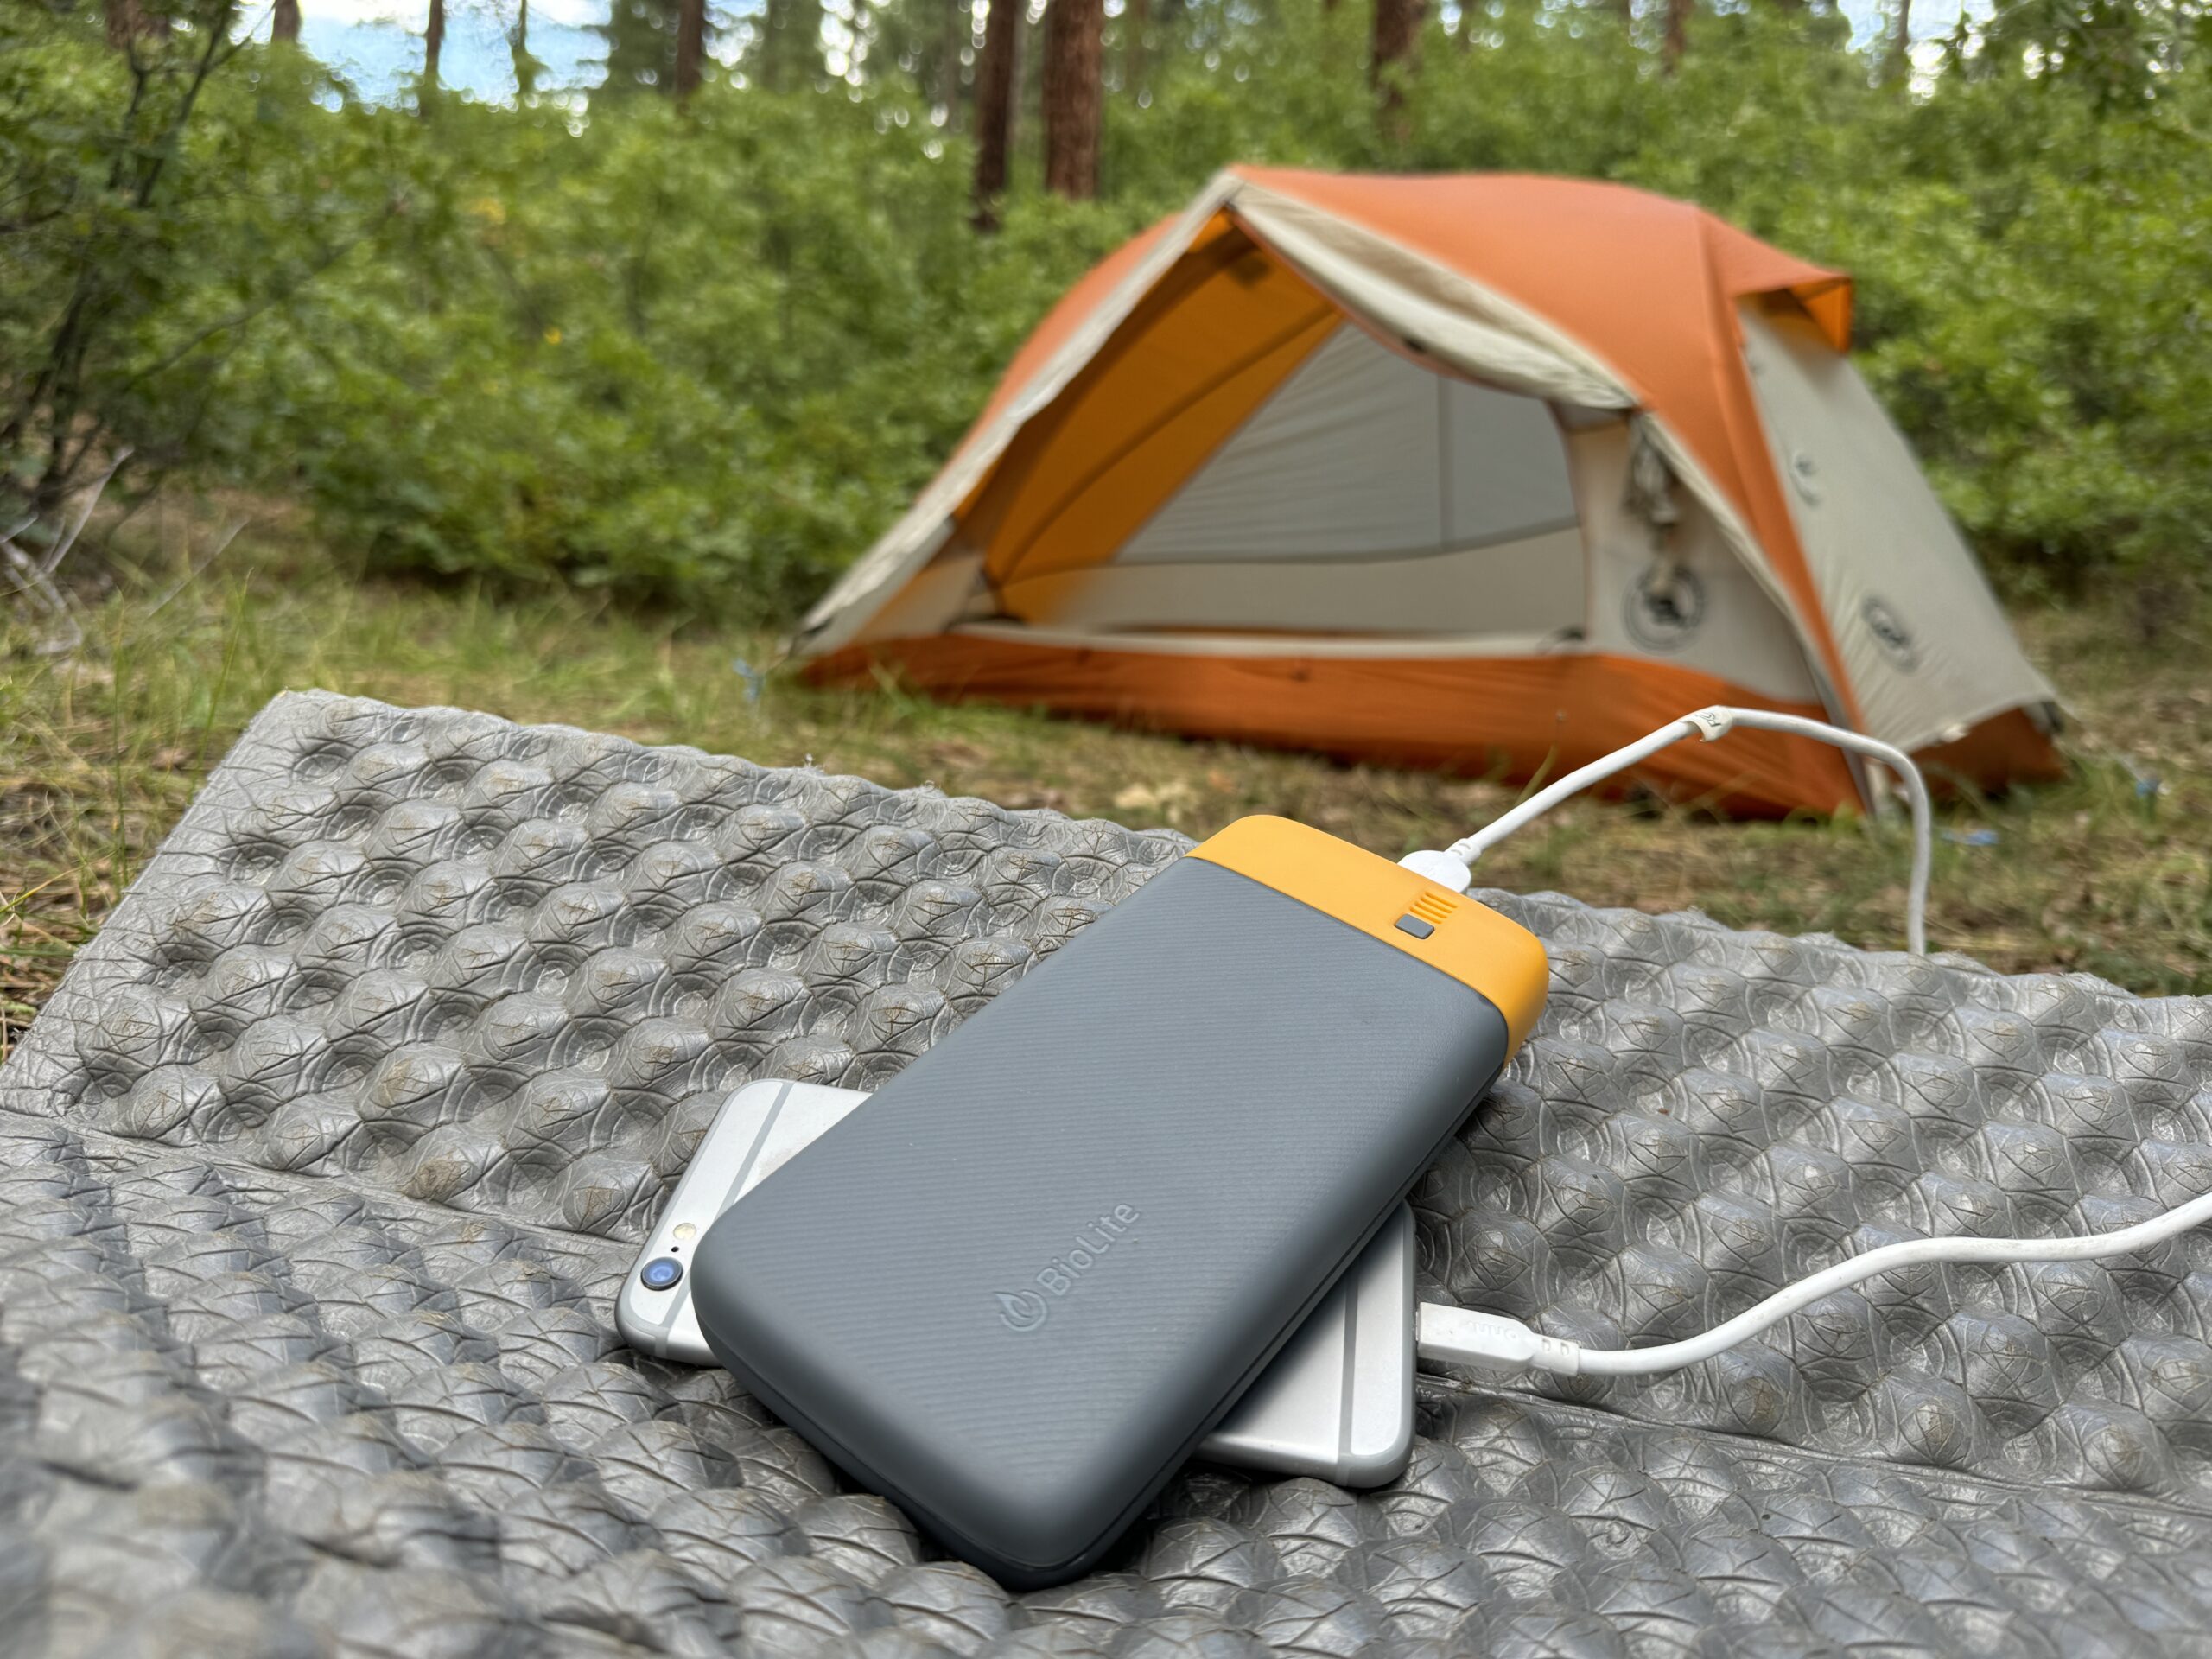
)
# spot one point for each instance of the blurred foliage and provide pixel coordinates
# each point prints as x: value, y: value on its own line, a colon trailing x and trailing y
x: 686, y: 353
x: 705, y: 354
x: 155, y: 203
x: 639, y: 42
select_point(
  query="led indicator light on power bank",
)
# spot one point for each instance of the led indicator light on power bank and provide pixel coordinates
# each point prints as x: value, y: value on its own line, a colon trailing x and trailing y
x: 685, y: 1232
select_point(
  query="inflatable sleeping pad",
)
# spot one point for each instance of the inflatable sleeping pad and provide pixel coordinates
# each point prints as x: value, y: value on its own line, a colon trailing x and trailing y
x: 319, y: 1172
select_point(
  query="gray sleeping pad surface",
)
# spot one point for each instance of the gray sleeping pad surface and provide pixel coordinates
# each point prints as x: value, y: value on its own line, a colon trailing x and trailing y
x: 318, y: 1175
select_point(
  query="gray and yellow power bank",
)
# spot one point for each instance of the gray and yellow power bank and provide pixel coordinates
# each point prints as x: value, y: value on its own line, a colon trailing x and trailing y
x: 1336, y: 1402
x: 1014, y: 1290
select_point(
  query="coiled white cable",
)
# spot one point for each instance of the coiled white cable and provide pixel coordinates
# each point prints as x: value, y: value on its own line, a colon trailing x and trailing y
x: 1454, y: 867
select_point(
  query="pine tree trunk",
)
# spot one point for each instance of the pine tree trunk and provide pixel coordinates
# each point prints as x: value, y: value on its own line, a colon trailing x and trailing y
x: 995, y: 106
x: 284, y: 23
x: 518, y: 52
x: 1900, y: 64
x: 433, y: 46
x: 127, y: 21
x: 1074, y: 32
x: 959, y: 25
x: 1398, y: 39
x: 1677, y: 38
x: 690, y: 46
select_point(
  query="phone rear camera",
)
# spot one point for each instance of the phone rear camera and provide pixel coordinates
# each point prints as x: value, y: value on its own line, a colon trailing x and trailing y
x: 660, y: 1273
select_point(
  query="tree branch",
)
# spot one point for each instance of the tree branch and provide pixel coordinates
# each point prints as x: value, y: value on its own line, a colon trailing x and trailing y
x: 60, y: 550
x: 239, y: 319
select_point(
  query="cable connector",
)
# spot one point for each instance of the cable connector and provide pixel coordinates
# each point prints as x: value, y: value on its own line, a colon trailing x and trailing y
x: 1713, y: 723
x: 1439, y: 867
x: 1489, y: 1342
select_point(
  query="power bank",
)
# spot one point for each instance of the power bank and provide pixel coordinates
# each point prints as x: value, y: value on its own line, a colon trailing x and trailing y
x: 1336, y: 1402
x: 1017, y: 1288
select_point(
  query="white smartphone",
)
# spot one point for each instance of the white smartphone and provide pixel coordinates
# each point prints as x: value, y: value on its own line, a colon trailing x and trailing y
x: 1336, y: 1402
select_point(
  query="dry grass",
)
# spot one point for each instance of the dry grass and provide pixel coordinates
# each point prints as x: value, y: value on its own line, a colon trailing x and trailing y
x: 101, y: 750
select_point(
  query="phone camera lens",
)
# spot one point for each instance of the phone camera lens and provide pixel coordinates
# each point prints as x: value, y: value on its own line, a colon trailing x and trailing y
x: 660, y: 1273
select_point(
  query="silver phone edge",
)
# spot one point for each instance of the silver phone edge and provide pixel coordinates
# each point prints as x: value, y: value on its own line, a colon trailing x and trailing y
x: 702, y: 1193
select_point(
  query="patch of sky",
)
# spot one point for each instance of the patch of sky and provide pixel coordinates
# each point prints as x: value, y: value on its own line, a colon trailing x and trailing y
x: 377, y: 45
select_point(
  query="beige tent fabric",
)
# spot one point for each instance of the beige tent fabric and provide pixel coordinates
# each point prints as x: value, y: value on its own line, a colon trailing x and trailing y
x: 1721, y: 620
x: 1414, y: 300
x: 1445, y: 648
x: 1929, y: 650
x: 949, y: 587
x: 1364, y: 454
x: 1524, y: 590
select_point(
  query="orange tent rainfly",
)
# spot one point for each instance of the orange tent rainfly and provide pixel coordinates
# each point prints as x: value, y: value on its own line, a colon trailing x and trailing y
x: 1474, y: 473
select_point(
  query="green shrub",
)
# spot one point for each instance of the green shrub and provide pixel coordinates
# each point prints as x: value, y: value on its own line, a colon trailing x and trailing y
x: 701, y: 355
x: 705, y: 355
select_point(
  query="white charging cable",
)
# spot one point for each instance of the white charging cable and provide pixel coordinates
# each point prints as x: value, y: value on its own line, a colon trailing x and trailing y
x: 1454, y: 867
x: 1457, y: 1336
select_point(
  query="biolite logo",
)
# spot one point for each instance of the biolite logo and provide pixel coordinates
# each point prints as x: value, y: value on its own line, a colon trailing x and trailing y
x: 1027, y: 1310
x: 1022, y: 1310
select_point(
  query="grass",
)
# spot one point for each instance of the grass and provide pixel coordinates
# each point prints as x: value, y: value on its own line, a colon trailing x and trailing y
x: 102, y: 749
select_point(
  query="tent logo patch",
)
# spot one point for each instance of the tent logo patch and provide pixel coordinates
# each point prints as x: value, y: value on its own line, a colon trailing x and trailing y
x: 1665, y: 609
x: 1889, y: 633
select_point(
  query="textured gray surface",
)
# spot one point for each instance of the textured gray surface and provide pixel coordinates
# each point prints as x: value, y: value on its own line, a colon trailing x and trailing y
x: 317, y: 1176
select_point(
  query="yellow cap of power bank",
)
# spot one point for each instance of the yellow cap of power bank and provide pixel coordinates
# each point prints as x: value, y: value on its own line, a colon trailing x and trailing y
x: 1453, y: 934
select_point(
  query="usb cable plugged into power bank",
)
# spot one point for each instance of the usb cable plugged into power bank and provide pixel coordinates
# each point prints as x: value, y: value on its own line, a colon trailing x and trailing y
x: 1463, y: 1336
x: 1447, y: 1335
x: 1454, y: 867
x: 1301, y: 1426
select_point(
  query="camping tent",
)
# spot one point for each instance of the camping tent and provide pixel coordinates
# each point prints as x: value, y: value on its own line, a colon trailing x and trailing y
x: 1480, y: 472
